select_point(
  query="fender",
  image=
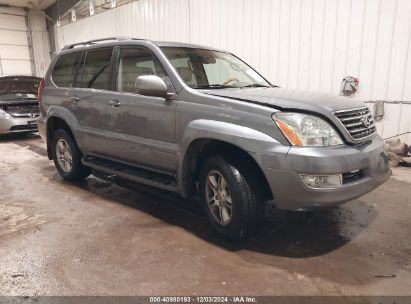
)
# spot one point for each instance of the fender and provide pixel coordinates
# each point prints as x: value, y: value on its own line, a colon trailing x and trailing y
x: 250, y: 140
x: 66, y: 115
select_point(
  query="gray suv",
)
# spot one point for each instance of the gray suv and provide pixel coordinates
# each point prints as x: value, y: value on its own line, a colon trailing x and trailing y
x: 203, y: 123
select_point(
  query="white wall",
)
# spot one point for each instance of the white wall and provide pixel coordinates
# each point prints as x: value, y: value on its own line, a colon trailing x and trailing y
x: 14, y: 45
x: 39, y: 41
x: 24, y: 45
x: 306, y: 44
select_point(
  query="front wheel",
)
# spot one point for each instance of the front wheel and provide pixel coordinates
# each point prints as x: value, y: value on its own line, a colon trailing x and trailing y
x: 231, y: 204
x: 67, y: 157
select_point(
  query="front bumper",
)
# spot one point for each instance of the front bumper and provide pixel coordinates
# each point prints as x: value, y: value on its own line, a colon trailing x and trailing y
x: 17, y: 125
x: 291, y: 193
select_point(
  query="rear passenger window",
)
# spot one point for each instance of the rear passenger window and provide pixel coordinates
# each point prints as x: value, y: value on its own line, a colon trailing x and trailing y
x: 65, y: 70
x: 96, y: 70
x: 134, y: 62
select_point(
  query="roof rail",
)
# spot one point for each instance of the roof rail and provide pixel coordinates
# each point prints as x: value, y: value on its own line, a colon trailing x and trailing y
x: 118, y: 38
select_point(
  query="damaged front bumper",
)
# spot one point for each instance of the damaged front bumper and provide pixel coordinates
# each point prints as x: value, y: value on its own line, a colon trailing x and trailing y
x: 363, y: 168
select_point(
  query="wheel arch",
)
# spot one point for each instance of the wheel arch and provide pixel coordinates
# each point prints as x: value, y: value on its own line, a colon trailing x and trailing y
x: 203, y: 148
x: 204, y: 138
x: 55, y: 123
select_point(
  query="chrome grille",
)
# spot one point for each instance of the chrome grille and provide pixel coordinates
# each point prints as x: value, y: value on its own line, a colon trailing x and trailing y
x: 358, y: 122
x: 28, y: 111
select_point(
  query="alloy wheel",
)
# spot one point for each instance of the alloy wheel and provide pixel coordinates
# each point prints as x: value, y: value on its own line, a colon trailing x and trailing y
x: 64, y: 155
x: 218, y: 197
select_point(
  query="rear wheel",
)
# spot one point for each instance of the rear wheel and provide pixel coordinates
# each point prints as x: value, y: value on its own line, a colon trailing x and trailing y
x: 230, y: 202
x: 67, y: 157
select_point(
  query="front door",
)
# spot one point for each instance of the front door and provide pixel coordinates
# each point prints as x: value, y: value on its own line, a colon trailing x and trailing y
x: 142, y: 127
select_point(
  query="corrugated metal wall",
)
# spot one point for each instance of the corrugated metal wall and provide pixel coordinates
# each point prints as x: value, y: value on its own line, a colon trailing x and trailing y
x: 306, y: 44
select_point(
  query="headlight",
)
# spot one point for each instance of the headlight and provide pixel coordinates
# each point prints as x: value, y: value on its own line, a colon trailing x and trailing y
x: 306, y: 130
x: 5, y: 115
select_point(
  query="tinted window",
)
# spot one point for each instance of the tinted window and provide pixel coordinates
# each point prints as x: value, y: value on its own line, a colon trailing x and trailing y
x: 134, y: 62
x: 65, y: 70
x: 96, y: 70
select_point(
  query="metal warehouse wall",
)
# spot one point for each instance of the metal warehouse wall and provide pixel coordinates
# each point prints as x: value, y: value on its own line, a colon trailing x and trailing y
x: 306, y: 44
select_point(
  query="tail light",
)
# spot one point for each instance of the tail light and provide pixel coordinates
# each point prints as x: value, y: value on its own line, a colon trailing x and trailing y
x: 40, y: 94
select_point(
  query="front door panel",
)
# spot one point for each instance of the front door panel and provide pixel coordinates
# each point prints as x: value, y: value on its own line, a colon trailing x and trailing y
x: 143, y: 131
x: 142, y: 127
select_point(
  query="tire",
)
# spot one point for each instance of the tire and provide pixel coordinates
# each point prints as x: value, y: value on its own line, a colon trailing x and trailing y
x: 246, y: 213
x: 69, y: 170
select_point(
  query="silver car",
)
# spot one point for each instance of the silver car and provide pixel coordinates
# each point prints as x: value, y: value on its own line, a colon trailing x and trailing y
x: 19, y: 106
x: 203, y: 123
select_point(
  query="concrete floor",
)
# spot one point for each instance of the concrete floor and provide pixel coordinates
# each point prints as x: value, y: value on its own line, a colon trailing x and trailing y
x: 96, y: 238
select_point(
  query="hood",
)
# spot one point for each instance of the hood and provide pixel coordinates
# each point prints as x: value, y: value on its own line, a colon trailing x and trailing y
x: 321, y: 104
x: 19, y: 85
x: 289, y: 99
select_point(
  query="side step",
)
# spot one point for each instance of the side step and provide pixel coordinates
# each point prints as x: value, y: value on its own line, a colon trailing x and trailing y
x: 139, y: 175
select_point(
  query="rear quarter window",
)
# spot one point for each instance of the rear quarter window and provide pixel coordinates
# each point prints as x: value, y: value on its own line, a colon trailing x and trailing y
x: 65, y: 70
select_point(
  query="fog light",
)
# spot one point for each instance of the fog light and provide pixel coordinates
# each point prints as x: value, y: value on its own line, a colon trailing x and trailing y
x: 322, y: 181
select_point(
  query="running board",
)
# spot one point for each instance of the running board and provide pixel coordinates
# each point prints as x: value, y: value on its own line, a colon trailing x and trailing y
x: 138, y: 175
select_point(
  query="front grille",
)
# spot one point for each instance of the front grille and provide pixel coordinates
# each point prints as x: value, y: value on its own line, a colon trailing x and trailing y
x: 23, y: 128
x: 359, y: 122
x: 26, y: 111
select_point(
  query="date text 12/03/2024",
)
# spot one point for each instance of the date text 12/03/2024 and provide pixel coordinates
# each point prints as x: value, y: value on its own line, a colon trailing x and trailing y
x: 203, y: 299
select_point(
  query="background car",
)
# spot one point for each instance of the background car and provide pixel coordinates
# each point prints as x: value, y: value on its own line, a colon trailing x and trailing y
x: 19, y: 106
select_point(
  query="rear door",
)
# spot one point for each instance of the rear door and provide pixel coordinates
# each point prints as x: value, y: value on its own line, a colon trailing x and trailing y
x: 89, y: 100
x: 143, y: 127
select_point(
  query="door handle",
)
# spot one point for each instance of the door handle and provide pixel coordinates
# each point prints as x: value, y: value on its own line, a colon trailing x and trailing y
x: 114, y: 103
x: 74, y: 99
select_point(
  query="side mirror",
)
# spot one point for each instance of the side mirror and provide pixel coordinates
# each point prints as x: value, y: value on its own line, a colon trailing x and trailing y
x: 151, y: 85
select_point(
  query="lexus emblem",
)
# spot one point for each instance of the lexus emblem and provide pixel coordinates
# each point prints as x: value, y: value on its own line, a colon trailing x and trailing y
x: 366, y: 121
x: 32, y: 115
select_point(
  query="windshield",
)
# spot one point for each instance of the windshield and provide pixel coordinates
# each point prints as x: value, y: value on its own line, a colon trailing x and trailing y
x: 18, y: 87
x: 201, y: 68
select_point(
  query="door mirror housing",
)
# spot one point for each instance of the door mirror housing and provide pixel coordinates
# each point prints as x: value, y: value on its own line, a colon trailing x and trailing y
x: 151, y: 85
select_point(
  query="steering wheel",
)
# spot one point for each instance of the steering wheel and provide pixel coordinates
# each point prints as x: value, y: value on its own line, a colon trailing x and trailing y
x: 230, y: 80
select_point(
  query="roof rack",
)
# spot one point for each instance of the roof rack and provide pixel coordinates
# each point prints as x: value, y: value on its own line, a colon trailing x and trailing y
x: 118, y: 38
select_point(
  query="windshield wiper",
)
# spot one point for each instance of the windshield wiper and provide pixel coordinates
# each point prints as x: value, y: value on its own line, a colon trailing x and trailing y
x: 214, y: 86
x: 255, y: 85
